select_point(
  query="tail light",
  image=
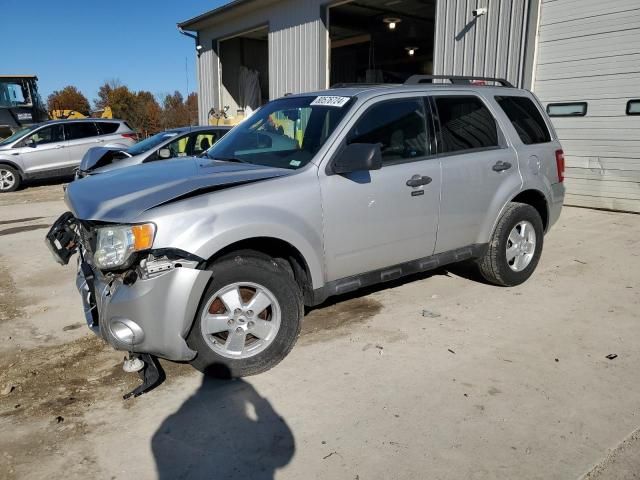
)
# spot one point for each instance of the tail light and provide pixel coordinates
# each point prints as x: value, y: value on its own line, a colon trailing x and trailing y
x: 560, y: 165
x: 133, y: 135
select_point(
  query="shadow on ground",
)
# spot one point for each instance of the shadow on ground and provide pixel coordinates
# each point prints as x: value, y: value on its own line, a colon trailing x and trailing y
x: 225, y: 430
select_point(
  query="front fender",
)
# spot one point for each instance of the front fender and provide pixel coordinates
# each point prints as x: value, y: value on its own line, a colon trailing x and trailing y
x: 306, y: 246
x: 6, y: 160
x: 279, y: 208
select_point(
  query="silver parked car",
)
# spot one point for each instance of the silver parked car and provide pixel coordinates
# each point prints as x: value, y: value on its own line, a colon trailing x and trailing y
x: 211, y: 260
x: 174, y: 143
x: 55, y: 148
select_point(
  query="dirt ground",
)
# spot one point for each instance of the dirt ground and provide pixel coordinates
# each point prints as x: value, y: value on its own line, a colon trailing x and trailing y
x: 438, y: 376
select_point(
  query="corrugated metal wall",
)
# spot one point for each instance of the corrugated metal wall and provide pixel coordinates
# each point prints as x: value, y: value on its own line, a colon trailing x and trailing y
x: 491, y: 45
x: 297, y: 48
x: 589, y: 50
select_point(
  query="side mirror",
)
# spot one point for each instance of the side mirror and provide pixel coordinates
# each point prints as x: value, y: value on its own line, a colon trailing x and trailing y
x: 164, y: 153
x: 30, y: 143
x: 358, y: 157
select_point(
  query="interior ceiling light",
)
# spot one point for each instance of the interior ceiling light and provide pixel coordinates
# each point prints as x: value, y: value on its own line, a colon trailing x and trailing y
x: 392, y: 22
x: 411, y: 50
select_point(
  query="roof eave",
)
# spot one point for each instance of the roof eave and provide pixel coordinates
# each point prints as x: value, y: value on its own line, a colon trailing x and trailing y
x: 192, y: 22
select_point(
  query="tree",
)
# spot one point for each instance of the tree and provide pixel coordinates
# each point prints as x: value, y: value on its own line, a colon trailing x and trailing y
x: 192, y: 108
x: 69, y: 98
x: 176, y: 113
x: 122, y: 102
x: 148, y: 114
x: 142, y: 110
x: 105, y: 91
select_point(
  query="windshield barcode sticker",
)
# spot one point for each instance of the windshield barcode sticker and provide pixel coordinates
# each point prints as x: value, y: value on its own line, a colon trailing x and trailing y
x: 330, y: 101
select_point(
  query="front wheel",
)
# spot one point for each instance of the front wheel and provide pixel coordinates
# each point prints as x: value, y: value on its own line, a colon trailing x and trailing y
x: 9, y: 179
x: 515, y: 246
x: 249, y: 318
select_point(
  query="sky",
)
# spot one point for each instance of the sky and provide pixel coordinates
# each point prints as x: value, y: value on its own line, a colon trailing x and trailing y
x: 85, y: 42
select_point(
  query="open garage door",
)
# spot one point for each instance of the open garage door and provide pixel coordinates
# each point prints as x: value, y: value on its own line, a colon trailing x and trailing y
x: 244, y: 72
x: 381, y: 41
x: 587, y: 76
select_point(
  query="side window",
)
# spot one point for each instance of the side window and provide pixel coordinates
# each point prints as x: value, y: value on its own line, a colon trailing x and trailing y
x: 465, y: 124
x: 46, y: 135
x: 106, y: 128
x: 77, y: 131
x: 399, y: 126
x: 179, y: 147
x: 202, y: 142
x: 526, y: 119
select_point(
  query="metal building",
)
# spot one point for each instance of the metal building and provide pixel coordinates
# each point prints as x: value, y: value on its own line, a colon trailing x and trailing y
x: 580, y: 56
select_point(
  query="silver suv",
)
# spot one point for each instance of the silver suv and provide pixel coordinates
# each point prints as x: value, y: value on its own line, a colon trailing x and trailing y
x: 212, y: 260
x: 55, y: 148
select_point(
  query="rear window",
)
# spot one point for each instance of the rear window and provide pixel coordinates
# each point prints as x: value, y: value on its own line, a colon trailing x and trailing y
x: 105, y: 128
x: 526, y: 119
x: 465, y: 124
x: 75, y: 131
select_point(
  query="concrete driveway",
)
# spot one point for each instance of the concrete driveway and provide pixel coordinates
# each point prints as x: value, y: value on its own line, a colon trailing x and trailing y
x: 438, y: 377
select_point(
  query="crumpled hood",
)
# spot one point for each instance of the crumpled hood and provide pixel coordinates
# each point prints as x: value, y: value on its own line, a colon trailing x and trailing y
x: 98, y: 156
x: 123, y: 194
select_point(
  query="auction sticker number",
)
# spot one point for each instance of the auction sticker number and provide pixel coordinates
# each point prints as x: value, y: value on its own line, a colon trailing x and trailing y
x: 329, y: 101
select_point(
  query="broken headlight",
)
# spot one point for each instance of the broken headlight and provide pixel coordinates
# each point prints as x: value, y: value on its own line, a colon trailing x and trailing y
x: 116, y: 244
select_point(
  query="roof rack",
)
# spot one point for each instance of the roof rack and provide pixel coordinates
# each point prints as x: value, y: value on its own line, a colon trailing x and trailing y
x: 356, y: 85
x: 455, y: 79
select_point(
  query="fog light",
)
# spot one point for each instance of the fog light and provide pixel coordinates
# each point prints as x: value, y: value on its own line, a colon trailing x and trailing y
x: 126, y: 331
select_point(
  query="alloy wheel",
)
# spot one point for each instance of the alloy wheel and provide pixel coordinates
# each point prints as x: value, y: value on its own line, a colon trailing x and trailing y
x: 241, y: 320
x: 521, y: 246
x: 7, y: 179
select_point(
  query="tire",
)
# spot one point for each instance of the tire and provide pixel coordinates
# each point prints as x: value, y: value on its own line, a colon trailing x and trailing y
x: 239, y: 278
x: 10, y: 179
x: 496, y: 266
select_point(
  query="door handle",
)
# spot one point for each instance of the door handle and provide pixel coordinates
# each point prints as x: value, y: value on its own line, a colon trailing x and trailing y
x: 418, y: 180
x: 501, y: 166
x: 59, y: 146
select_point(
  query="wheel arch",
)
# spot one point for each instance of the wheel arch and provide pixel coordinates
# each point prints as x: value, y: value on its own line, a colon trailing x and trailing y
x: 537, y: 200
x: 11, y: 164
x: 530, y: 196
x: 277, y: 248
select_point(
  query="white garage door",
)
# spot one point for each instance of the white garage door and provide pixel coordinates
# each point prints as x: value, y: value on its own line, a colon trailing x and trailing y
x: 589, y: 58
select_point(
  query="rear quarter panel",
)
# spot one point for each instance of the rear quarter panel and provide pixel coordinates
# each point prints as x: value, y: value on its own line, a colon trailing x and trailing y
x: 537, y: 162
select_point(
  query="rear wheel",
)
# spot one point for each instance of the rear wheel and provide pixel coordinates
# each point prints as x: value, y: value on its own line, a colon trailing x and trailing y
x: 9, y: 179
x: 249, y: 318
x: 515, y: 247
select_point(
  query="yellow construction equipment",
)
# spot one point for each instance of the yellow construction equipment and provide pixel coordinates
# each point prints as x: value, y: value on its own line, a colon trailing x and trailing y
x: 71, y: 114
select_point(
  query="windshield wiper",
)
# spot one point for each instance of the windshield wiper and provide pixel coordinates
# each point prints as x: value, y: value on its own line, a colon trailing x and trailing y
x: 229, y: 159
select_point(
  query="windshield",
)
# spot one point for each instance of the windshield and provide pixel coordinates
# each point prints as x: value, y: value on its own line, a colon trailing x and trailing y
x: 285, y: 133
x: 20, y: 133
x: 15, y: 93
x: 149, y: 143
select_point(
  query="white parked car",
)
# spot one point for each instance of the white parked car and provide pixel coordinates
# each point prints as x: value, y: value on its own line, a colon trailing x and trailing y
x: 55, y: 148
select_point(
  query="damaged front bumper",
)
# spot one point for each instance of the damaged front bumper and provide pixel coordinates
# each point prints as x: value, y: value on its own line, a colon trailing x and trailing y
x: 150, y: 316
x: 149, y: 312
